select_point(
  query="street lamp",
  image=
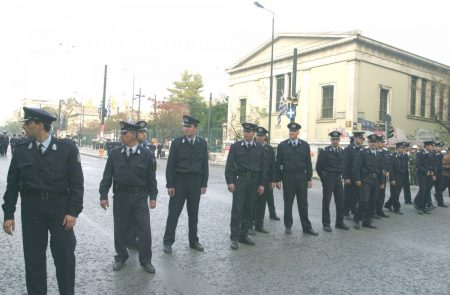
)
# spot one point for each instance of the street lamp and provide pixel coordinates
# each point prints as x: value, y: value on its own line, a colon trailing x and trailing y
x: 257, y: 4
x: 139, y: 96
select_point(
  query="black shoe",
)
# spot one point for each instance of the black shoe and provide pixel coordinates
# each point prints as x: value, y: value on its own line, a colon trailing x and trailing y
x: 251, y: 232
x: 387, y: 206
x: 342, y: 226
x: 118, y: 265
x: 376, y: 216
x: 327, y: 228
x: 247, y: 241
x: 288, y: 231
x: 382, y: 214
x: 408, y: 203
x: 431, y: 206
x: 234, y: 245
x: 356, y: 225
x: 197, y: 246
x: 311, y: 232
x: 426, y: 211
x: 274, y: 217
x: 369, y: 225
x: 398, y: 212
x: 148, y: 267
x: 167, y: 249
x: 420, y: 212
x: 442, y: 205
x: 261, y: 230
x: 348, y: 217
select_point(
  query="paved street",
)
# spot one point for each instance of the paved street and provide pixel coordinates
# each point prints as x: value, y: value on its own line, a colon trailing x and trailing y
x: 407, y: 254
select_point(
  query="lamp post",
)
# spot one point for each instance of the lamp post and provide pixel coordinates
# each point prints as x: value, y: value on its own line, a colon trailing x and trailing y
x: 257, y: 4
x: 139, y: 96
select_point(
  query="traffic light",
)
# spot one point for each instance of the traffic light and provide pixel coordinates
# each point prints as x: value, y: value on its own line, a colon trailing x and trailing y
x: 390, y: 131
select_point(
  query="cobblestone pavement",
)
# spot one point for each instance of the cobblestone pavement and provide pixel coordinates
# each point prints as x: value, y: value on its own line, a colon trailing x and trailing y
x: 407, y: 254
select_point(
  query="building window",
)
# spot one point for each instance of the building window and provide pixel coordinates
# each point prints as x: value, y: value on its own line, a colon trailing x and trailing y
x: 441, y: 102
x: 432, y: 102
x: 280, y: 90
x: 383, y: 104
x: 412, y: 109
x: 243, y: 110
x: 327, y: 101
x: 423, y: 96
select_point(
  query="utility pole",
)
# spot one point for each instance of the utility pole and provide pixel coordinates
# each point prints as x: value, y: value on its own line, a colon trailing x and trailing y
x: 154, y: 118
x: 209, y: 119
x: 102, y: 127
x: 139, y: 104
x: 59, y: 117
x: 132, y: 102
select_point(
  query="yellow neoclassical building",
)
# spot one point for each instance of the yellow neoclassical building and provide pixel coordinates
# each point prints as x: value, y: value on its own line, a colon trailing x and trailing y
x: 345, y: 82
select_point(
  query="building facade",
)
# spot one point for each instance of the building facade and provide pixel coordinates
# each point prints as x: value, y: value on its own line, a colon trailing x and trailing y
x: 344, y: 82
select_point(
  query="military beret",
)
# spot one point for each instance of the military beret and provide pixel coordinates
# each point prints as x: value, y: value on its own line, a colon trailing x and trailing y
x: 428, y: 142
x: 187, y: 120
x: 37, y: 115
x: 440, y: 144
x: 335, y: 134
x: 261, y: 131
x: 359, y: 134
x: 143, y: 125
x: 372, y: 138
x: 249, y: 126
x: 294, y: 126
x: 125, y: 126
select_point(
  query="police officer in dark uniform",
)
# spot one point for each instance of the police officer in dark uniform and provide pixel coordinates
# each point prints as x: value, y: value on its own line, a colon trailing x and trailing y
x: 329, y: 168
x: 269, y: 185
x: 47, y: 173
x: 385, y: 169
x: 438, y: 184
x: 425, y: 166
x: 245, y: 177
x: 407, y: 183
x: 5, y: 143
x: 131, y: 171
x: 369, y: 178
x: 397, y: 177
x: 294, y: 170
x: 351, y: 191
x: 187, y: 175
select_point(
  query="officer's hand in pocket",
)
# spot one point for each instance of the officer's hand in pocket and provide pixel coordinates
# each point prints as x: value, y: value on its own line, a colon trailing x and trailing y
x: 104, y: 204
x: 171, y: 191
x: 231, y: 188
x: 152, y: 204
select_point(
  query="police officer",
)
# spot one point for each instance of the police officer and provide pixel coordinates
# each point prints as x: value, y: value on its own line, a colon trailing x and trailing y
x: 47, y: 173
x: 425, y: 176
x: 406, y: 182
x: 351, y: 191
x: 131, y: 171
x: 294, y: 171
x: 385, y: 169
x: 187, y: 178
x: 369, y: 178
x: 329, y: 168
x: 245, y: 177
x: 397, y: 177
x: 269, y: 160
x: 438, y: 184
x: 412, y: 165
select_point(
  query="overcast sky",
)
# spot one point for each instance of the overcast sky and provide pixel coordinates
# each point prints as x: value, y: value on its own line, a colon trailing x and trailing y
x: 58, y: 49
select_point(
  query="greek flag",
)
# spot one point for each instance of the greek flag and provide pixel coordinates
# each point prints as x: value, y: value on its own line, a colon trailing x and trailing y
x: 282, y: 108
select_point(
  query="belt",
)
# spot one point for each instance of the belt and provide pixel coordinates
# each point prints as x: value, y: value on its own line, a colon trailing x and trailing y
x: 372, y: 175
x: 43, y: 195
x: 128, y: 188
x: 248, y: 174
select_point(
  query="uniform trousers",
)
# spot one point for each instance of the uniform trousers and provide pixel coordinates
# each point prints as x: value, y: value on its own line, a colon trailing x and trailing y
x: 295, y: 185
x: 260, y: 206
x: 187, y: 188
x: 243, y: 206
x: 380, y: 199
x: 132, y: 208
x: 39, y: 217
x: 271, y: 203
x: 425, y: 184
x: 394, y: 199
x: 351, y: 196
x: 407, y: 189
x: 369, y: 192
x: 438, y: 189
x: 332, y: 185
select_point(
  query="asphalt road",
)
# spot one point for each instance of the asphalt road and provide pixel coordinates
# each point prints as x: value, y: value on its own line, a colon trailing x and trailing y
x: 407, y: 254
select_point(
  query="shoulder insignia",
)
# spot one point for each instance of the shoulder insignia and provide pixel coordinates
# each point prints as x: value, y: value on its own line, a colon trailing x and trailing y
x: 54, y: 147
x: 78, y: 158
x: 30, y: 145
